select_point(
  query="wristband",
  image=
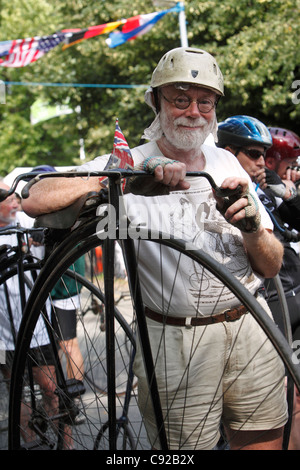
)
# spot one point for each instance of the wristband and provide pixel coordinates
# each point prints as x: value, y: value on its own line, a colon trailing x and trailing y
x: 251, y: 222
x: 139, y: 185
x: 293, y: 194
x: 150, y: 163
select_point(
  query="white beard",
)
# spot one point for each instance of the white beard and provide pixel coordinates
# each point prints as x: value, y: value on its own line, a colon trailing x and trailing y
x: 186, y: 139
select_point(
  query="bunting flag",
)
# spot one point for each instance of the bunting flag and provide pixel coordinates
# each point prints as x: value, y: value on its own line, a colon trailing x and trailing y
x: 137, y: 26
x: 5, y: 47
x: 21, y: 52
x: 121, y: 155
x: 74, y: 36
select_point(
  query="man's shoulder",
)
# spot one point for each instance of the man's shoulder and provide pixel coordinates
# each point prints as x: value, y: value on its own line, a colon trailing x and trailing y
x: 217, y: 156
x: 149, y: 149
x: 213, y: 149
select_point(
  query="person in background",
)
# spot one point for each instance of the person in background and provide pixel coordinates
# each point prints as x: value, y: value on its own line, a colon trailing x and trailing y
x: 269, y: 156
x: 10, y: 319
x: 65, y: 299
x: 282, y: 157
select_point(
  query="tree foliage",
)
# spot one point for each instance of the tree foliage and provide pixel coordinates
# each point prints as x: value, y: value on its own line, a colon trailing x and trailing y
x: 255, y: 43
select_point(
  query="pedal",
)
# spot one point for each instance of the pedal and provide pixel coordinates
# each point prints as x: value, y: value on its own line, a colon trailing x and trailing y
x: 74, y: 388
x: 96, y: 307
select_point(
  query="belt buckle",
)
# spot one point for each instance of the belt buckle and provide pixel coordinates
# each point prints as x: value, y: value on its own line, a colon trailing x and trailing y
x: 188, y: 322
x: 227, y: 318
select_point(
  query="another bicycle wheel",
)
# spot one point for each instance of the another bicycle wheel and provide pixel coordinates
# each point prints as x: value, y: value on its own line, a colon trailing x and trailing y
x: 86, y: 418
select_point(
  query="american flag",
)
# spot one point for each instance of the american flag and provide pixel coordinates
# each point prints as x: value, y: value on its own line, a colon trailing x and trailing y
x: 5, y: 47
x: 121, y: 155
x: 21, y: 52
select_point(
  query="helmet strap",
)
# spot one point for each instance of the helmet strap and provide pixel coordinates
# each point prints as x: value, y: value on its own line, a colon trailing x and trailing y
x: 156, y: 100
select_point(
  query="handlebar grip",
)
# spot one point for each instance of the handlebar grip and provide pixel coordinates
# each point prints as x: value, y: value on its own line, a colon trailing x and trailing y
x: 226, y: 192
x: 4, y: 193
x: 25, y: 190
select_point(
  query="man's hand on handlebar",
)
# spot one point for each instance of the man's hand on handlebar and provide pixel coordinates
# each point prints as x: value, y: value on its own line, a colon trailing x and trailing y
x: 240, y: 210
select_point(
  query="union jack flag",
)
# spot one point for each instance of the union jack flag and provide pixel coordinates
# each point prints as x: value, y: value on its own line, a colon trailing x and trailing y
x: 121, y: 155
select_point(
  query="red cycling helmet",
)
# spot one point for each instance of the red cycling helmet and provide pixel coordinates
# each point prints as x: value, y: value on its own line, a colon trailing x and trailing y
x: 286, y: 144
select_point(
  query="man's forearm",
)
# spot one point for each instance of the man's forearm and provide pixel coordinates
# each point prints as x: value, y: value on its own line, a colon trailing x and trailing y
x: 52, y: 194
x: 264, y: 251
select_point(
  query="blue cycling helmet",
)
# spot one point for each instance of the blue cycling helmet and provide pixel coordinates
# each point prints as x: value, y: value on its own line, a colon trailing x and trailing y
x: 43, y: 169
x: 40, y: 169
x: 242, y: 131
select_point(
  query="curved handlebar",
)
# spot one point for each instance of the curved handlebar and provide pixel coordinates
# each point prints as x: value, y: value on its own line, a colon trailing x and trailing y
x: 4, y: 193
x: 121, y: 173
x: 118, y: 173
x: 115, y: 174
x: 35, y: 177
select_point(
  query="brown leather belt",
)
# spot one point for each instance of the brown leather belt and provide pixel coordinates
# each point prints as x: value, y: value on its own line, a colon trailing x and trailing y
x: 228, y: 315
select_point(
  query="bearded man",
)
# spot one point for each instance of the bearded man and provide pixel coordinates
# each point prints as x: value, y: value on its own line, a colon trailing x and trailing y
x: 185, y: 88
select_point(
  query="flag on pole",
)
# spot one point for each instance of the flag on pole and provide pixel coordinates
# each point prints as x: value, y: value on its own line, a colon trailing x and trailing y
x: 21, y: 52
x: 137, y: 26
x: 74, y: 36
x: 121, y: 155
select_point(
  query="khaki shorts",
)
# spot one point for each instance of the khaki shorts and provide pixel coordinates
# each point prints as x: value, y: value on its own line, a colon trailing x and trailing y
x: 205, y: 375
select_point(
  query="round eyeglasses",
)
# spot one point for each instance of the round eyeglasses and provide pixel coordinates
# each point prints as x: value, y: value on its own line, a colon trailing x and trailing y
x: 205, y: 105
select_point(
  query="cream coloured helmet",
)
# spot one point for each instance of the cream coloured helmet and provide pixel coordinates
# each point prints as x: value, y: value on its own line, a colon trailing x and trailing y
x: 191, y: 66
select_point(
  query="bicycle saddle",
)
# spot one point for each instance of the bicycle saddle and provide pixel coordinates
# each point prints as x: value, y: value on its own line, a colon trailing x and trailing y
x: 66, y: 218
